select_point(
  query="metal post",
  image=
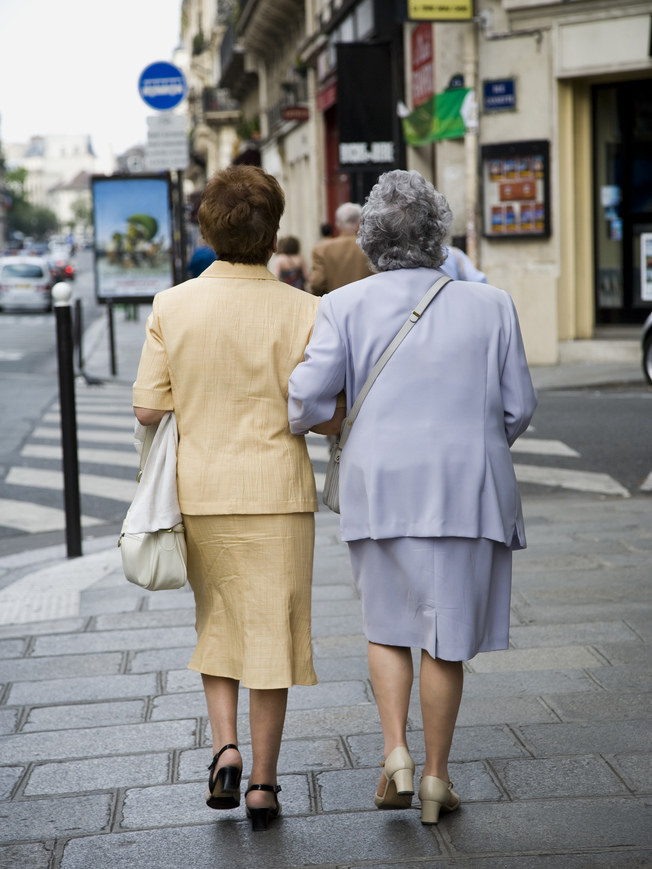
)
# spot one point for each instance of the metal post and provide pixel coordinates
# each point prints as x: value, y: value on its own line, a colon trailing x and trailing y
x: 78, y: 331
x: 61, y: 294
x: 182, y: 225
x: 114, y: 367
x: 471, y: 146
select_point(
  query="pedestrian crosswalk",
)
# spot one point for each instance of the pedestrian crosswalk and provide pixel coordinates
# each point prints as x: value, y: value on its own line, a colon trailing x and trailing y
x: 31, y: 494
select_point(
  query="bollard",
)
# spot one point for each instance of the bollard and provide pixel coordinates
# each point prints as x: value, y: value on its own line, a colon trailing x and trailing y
x: 61, y: 294
x: 112, y: 358
x: 77, y: 331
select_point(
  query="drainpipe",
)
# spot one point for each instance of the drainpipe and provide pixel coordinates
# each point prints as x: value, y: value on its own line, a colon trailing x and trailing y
x: 470, y: 60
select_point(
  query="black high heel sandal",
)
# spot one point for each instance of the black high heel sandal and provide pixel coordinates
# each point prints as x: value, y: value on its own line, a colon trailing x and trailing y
x: 261, y: 817
x: 224, y: 789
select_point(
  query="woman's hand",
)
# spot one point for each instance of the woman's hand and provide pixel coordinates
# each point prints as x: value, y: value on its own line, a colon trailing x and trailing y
x: 333, y: 425
x: 149, y: 416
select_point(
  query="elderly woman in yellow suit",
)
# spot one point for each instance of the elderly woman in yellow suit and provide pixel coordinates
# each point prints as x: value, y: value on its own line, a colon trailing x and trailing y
x: 219, y: 351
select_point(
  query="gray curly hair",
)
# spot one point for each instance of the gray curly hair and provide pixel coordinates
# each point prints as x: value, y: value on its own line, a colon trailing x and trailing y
x: 404, y: 223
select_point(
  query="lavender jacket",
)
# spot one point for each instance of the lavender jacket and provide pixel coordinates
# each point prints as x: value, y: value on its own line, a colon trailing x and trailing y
x: 428, y: 455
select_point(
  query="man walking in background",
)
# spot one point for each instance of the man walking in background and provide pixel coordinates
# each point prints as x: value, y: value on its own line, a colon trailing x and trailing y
x: 339, y: 260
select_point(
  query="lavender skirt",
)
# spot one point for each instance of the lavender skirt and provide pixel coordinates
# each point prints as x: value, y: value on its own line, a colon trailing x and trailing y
x: 448, y: 595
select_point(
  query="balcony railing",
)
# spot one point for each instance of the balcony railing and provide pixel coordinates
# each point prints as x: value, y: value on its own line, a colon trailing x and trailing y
x: 218, y: 100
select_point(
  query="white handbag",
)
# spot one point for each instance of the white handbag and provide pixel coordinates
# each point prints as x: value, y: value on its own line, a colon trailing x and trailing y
x: 152, y: 541
x: 331, y: 493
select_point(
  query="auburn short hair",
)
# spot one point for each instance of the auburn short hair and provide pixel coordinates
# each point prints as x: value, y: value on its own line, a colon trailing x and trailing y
x: 240, y: 213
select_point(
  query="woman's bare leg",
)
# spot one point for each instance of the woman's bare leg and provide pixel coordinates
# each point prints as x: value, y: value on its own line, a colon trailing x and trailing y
x: 266, y: 719
x: 391, y: 671
x: 440, y: 688
x: 222, y: 704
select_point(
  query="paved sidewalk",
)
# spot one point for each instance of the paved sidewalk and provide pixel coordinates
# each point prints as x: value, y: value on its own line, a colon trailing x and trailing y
x: 105, y: 741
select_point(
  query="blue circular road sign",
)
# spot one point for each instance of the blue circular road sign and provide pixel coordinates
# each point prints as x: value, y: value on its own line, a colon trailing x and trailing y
x: 162, y: 85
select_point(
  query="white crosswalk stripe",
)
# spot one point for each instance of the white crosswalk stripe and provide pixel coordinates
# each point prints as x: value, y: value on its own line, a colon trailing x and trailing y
x: 84, y: 454
x: 32, y: 518
x: 114, y: 436
x: 89, y: 484
x: 581, y: 481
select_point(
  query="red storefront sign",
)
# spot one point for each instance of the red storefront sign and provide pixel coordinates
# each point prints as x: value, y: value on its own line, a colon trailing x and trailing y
x: 295, y: 113
x: 422, y: 70
x: 327, y: 96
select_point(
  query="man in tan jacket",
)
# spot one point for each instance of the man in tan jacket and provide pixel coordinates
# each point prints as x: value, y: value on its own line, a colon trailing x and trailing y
x: 339, y: 261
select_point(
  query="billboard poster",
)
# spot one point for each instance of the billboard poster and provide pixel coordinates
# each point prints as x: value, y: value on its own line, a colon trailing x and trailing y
x: 133, y: 237
x: 515, y: 190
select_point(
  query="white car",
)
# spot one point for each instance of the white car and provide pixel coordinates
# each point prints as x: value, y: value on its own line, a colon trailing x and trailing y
x: 25, y: 283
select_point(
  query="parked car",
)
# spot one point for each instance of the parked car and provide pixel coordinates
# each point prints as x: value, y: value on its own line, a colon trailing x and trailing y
x: 26, y: 283
x: 646, y: 342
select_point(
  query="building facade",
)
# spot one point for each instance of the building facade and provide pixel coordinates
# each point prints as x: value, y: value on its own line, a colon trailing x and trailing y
x: 533, y: 117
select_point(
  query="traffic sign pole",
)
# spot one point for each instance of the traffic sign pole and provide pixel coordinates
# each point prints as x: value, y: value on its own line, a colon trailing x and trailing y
x: 163, y: 86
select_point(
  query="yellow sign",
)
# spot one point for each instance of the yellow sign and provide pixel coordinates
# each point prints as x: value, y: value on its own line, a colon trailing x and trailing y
x: 440, y: 10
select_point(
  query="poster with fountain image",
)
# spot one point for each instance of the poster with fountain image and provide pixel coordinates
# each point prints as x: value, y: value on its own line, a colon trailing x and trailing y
x: 133, y: 237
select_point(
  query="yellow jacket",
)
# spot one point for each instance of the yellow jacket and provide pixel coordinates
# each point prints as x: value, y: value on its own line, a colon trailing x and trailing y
x: 219, y: 350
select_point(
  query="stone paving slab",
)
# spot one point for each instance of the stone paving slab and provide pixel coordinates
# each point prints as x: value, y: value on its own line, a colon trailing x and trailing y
x: 145, y: 808
x: 602, y: 737
x: 98, y: 773
x: 549, y: 658
x: 81, y: 688
x: 602, y: 707
x: 635, y: 770
x: 540, y: 826
x: 66, y: 816
x: 100, y: 741
x: 370, y: 837
x: 145, y: 619
x: 21, y: 670
x: 68, y: 717
x: 540, y: 778
x: 82, y: 643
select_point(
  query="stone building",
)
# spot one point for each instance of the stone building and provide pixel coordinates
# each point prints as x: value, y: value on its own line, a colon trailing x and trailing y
x: 534, y: 118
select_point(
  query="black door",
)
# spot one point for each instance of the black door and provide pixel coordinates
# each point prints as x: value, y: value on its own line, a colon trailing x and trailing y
x: 622, y: 149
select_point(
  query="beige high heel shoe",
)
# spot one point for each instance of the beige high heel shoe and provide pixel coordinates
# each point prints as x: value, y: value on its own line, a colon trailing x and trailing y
x: 436, y: 796
x: 399, y: 775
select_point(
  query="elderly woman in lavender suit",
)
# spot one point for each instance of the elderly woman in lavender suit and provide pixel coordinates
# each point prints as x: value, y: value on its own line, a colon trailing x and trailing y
x: 430, y: 507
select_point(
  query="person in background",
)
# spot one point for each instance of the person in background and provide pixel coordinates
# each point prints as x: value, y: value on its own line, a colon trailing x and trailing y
x: 339, y: 260
x: 459, y: 267
x: 430, y: 506
x: 219, y: 350
x: 202, y: 256
x: 326, y: 230
x: 289, y: 266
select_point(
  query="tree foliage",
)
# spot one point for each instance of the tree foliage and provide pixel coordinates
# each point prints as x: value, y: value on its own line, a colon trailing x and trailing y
x: 22, y: 216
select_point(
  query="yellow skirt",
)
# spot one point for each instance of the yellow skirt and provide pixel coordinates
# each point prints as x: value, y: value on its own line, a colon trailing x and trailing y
x: 251, y: 576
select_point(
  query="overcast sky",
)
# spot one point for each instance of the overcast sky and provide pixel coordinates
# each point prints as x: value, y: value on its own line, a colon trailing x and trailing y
x: 72, y: 66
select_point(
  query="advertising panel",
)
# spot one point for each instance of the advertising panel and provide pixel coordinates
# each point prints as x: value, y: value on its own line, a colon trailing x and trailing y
x: 133, y: 237
x: 515, y: 187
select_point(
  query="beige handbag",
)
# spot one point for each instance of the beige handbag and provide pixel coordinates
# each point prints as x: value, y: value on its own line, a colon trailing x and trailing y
x: 331, y: 493
x: 154, y: 559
